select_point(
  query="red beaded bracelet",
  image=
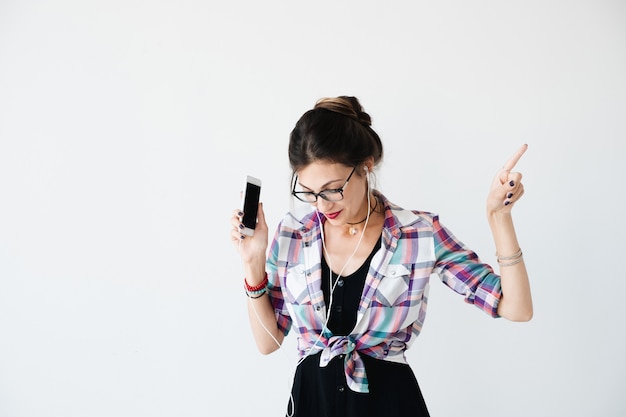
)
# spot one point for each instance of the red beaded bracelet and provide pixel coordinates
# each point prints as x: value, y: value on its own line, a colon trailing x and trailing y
x: 256, y: 288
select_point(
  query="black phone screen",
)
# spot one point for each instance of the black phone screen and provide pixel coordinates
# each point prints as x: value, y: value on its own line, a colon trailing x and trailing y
x: 251, y: 205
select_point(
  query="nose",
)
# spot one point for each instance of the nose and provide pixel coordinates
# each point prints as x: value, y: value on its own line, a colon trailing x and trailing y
x: 322, y: 205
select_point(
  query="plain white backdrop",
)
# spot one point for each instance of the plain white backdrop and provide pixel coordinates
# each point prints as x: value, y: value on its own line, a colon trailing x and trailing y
x: 126, y: 130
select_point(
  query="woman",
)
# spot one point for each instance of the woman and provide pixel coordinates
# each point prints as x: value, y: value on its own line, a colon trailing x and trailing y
x: 351, y: 278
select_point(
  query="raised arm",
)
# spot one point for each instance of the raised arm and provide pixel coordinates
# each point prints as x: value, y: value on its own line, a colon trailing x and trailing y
x: 506, y: 189
x: 252, y: 250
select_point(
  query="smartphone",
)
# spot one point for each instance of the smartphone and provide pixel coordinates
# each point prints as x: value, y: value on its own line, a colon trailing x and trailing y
x: 250, y: 204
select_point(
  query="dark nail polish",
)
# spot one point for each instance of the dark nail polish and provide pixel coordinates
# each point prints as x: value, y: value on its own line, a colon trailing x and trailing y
x: 509, y: 195
x: 241, y: 226
x: 240, y: 214
x: 243, y: 237
x: 506, y: 203
x: 512, y: 183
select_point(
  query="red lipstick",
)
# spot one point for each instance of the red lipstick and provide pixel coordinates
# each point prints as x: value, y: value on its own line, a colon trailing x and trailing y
x: 332, y: 215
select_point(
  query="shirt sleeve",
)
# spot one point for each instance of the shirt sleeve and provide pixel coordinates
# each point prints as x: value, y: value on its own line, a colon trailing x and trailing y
x: 460, y: 269
x: 274, y: 290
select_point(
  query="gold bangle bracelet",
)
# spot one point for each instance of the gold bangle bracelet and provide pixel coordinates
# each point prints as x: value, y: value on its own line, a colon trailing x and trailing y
x: 517, y: 255
x: 516, y: 261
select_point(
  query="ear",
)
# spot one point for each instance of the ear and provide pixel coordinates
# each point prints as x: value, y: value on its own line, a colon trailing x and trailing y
x: 368, y: 165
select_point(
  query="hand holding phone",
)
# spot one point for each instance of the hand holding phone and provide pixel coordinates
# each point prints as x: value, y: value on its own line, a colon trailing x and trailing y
x: 250, y: 204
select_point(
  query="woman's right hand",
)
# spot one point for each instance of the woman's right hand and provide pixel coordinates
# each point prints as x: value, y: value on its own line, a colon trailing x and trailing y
x: 252, y: 249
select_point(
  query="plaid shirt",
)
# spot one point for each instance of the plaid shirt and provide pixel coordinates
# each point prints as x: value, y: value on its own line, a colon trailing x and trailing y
x: 393, y: 304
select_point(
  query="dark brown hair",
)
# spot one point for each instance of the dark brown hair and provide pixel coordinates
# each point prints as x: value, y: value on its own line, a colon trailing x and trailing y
x: 335, y: 130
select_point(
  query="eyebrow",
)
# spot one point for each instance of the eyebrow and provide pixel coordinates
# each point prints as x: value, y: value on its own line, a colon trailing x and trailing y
x: 324, y: 187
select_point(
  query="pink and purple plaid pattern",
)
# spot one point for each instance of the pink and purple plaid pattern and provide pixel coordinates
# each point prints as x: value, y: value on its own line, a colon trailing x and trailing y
x: 393, y: 305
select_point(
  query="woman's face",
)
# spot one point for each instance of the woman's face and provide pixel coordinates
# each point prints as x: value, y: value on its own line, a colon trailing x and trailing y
x: 319, y: 176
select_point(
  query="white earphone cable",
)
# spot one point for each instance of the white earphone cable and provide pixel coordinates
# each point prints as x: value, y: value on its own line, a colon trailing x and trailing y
x: 331, y: 286
x: 258, y: 317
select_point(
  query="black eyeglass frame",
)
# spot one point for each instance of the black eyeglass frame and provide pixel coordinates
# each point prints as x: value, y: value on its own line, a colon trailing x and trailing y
x: 339, y: 190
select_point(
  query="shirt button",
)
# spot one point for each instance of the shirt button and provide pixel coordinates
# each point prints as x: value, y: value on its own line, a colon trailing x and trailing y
x: 340, y: 283
x: 393, y: 273
x: 342, y: 356
x: 318, y: 308
x: 340, y: 388
x: 339, y: 309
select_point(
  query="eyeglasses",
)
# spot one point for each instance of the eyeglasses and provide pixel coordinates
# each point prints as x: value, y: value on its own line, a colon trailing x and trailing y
x: 332, y: 194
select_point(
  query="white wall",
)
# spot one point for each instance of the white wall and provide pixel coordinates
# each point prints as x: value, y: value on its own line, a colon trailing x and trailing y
x: 126, y: 128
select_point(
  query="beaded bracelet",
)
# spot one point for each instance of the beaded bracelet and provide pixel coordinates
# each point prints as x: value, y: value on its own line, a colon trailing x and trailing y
x: 258, y: 290
x: 256, y: 294
x: 250, y: 288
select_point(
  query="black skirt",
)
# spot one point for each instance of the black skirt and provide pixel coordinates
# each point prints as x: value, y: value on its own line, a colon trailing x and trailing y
x: 323, y: 391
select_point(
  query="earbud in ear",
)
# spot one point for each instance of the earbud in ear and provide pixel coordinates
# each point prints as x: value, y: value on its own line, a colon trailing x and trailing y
x: 366, y: 169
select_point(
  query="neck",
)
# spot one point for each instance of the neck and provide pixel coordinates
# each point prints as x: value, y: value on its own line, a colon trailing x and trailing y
x: 354, y: 227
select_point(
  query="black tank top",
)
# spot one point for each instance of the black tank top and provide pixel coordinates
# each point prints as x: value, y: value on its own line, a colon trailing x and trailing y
x: 346, y: 295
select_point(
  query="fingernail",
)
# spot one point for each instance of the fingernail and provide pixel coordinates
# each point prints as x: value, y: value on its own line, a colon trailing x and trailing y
x: 241, y: 226
x: 511, y: 183
x: 509, y: 195
x: 240, y: 214
x: 506, y: 203
x: 243, y: 237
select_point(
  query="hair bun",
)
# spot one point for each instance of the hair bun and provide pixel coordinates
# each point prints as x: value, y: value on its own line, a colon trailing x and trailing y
x: 347, y: 106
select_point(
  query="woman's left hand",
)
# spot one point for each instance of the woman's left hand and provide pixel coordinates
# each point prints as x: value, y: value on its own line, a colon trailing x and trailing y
x: 506, y: 187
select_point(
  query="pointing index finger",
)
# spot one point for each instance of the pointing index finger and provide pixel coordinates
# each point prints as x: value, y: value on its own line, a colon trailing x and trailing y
x: 510, y: 164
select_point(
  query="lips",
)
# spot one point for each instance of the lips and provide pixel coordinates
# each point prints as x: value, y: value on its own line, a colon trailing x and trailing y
x: 332, y: 215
